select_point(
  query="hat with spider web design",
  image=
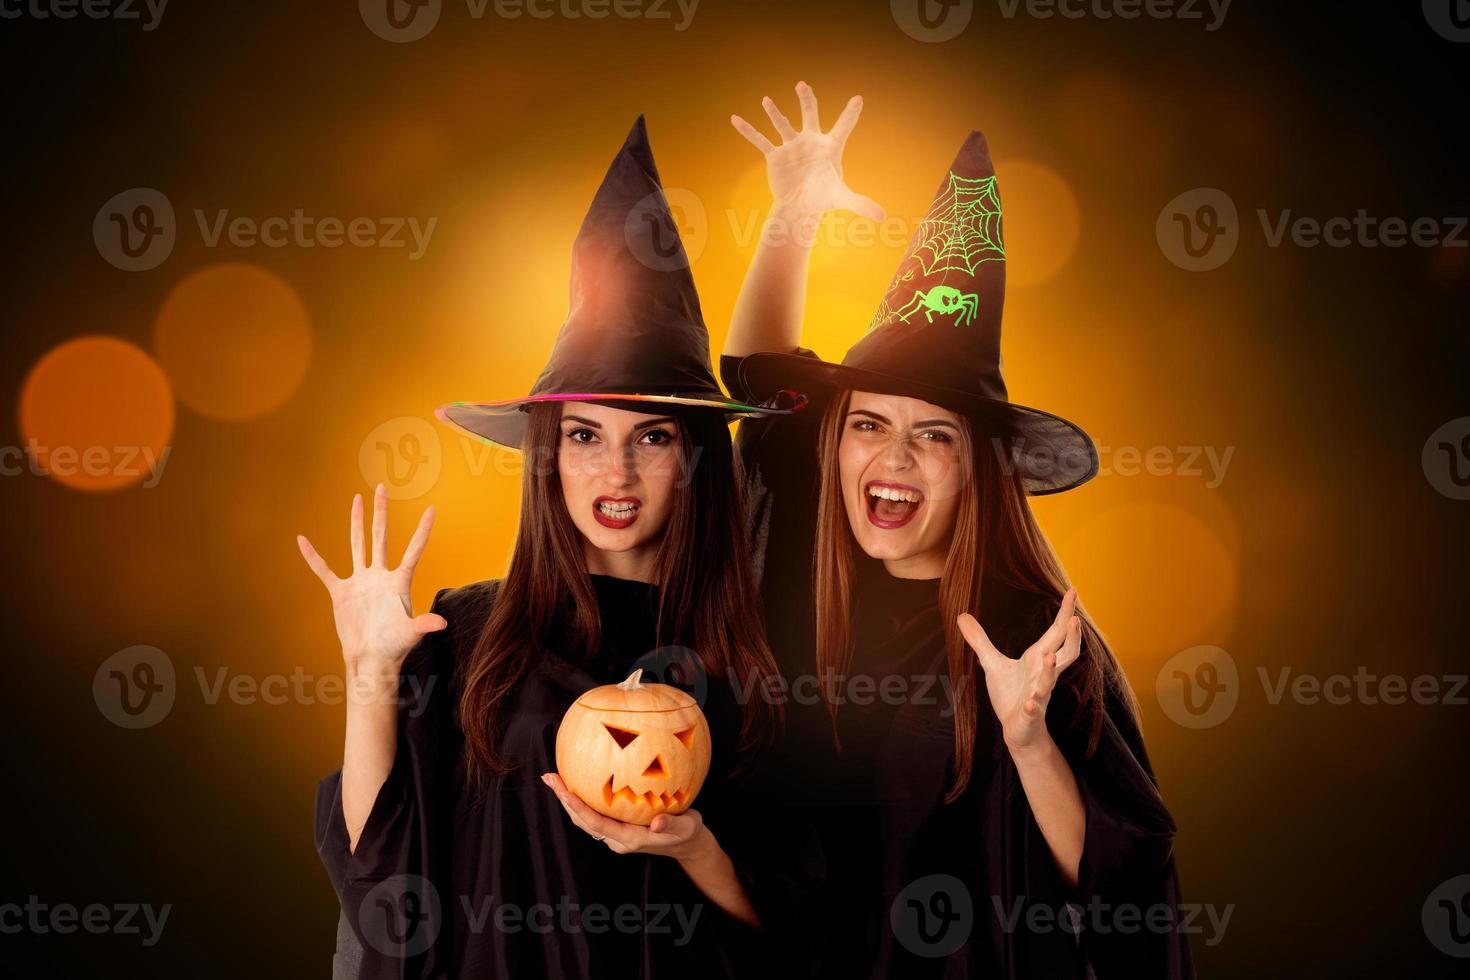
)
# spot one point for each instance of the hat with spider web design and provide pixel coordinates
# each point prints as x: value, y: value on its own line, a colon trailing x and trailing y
x: 936, y: 335
x: 635, y: 336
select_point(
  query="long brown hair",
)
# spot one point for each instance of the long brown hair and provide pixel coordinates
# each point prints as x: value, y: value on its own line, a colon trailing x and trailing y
x: 995, y: 535
x: 706, y: 594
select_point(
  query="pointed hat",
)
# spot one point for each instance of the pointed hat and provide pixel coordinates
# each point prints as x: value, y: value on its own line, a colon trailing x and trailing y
x: 936, y: 335
x: 634, y: 332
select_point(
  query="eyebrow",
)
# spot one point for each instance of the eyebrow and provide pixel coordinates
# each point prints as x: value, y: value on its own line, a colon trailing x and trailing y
x: 597, y: 425
x: 921, y: 424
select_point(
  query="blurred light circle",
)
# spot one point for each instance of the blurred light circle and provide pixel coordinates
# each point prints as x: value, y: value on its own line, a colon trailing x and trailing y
x: 96, y: 414
x: 1156, y: 576
x: 1043, y: 222
x: 235, y: 339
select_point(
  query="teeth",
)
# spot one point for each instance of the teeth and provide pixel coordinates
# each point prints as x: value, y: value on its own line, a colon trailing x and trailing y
x: 893, y: 493
x: 617, y: 510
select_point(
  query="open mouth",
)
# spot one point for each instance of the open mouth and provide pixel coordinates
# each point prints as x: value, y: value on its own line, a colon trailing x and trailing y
x: 655, y: 801
x: 891, y: 505
x: 616, y: 512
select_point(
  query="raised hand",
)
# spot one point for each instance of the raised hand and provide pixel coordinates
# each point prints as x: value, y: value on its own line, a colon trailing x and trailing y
x: 805, y: 170
x: 372, y: 609
x: 1021, y: 688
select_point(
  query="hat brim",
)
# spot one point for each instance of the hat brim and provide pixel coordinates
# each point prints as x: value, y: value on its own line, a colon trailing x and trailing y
x: 1052, y: 454
x: 504, y: 423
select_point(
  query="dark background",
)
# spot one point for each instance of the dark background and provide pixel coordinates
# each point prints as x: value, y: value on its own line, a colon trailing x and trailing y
x: 1324, y: 549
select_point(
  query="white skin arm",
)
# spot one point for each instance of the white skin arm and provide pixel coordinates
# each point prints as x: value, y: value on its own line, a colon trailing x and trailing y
x: 377, y: 629
x: 805, y: 174
x: 684, y: 838
x: 1019, y: 692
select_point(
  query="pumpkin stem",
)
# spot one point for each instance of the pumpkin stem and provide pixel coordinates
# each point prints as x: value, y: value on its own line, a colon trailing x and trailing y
x: 633, y: 682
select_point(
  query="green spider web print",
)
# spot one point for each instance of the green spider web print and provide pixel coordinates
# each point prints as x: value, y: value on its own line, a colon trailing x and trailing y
x: 961, y: 230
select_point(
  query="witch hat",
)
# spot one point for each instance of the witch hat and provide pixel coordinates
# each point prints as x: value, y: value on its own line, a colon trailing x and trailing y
x: 936, y: 335
x: 634, y: 332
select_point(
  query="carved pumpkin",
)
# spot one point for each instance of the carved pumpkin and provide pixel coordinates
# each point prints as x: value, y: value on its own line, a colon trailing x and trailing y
x: 632, y: 750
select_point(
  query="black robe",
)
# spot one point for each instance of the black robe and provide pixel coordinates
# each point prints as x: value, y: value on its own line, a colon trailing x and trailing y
x: 917, y: 887
x: 447, y: 884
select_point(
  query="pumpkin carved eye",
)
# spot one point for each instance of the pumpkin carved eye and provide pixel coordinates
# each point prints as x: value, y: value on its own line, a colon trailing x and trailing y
x: 686, y: 736
x: 621, y: 735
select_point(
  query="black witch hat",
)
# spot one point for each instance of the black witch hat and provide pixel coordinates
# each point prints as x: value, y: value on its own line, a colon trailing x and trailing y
x: 937, y: 334
x: 635, y: 332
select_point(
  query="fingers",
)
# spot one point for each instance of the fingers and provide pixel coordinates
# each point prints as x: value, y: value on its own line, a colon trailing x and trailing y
x: 315, y: 561
x: 975, y: 635
x: 810, y: 122
x: 754, y: 136
x: 782, y: 124
x: 842, y: 128
x: 611, y: 831
x: 356, y: 533
x: 429, y: 623
x: 865, y: 206
x: 1072, y: 648
x: 380, y: 526
x: 419, y: 540
x: 1056, y: 633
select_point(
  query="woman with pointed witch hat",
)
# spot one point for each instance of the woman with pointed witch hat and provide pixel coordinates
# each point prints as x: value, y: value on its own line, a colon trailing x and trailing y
x: 447, y: 812
x: 900, y: 547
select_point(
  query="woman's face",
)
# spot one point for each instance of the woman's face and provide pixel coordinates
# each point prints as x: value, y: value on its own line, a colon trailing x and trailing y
x: 902, y: 464
x: 618, y: 472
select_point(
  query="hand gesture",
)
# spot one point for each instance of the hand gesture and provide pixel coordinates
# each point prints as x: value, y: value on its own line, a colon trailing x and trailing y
x: 805, y: 171
x: 1020, y: 688
x: 375, y: 619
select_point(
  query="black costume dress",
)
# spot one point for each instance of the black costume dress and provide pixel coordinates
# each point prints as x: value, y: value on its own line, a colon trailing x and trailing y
x: 916, y: 887
x: 448, y: 884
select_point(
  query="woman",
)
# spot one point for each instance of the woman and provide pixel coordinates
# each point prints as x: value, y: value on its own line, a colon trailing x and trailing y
x: 455, y: 847
x: 957, y: 827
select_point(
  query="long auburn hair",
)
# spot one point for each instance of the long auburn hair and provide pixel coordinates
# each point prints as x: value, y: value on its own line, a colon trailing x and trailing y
x: 995, y: 534
x: 706, y: 594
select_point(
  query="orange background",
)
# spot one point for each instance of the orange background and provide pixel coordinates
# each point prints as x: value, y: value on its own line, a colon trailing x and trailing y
x: 1324, y: 548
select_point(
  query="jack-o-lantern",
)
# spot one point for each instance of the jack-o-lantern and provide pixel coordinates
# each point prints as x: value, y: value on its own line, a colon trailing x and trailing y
x: 632, y: 750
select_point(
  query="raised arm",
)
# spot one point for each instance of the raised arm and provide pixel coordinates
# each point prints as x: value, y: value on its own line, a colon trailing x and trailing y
x: 377, y: 628
x: 805, y: 174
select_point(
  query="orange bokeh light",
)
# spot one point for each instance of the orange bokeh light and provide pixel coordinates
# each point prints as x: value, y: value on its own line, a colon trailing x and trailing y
x: 235, y: 339
x: 96, y: 413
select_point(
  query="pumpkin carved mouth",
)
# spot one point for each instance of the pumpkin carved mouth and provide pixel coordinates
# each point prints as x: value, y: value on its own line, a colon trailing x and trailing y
x: 656, y: 801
